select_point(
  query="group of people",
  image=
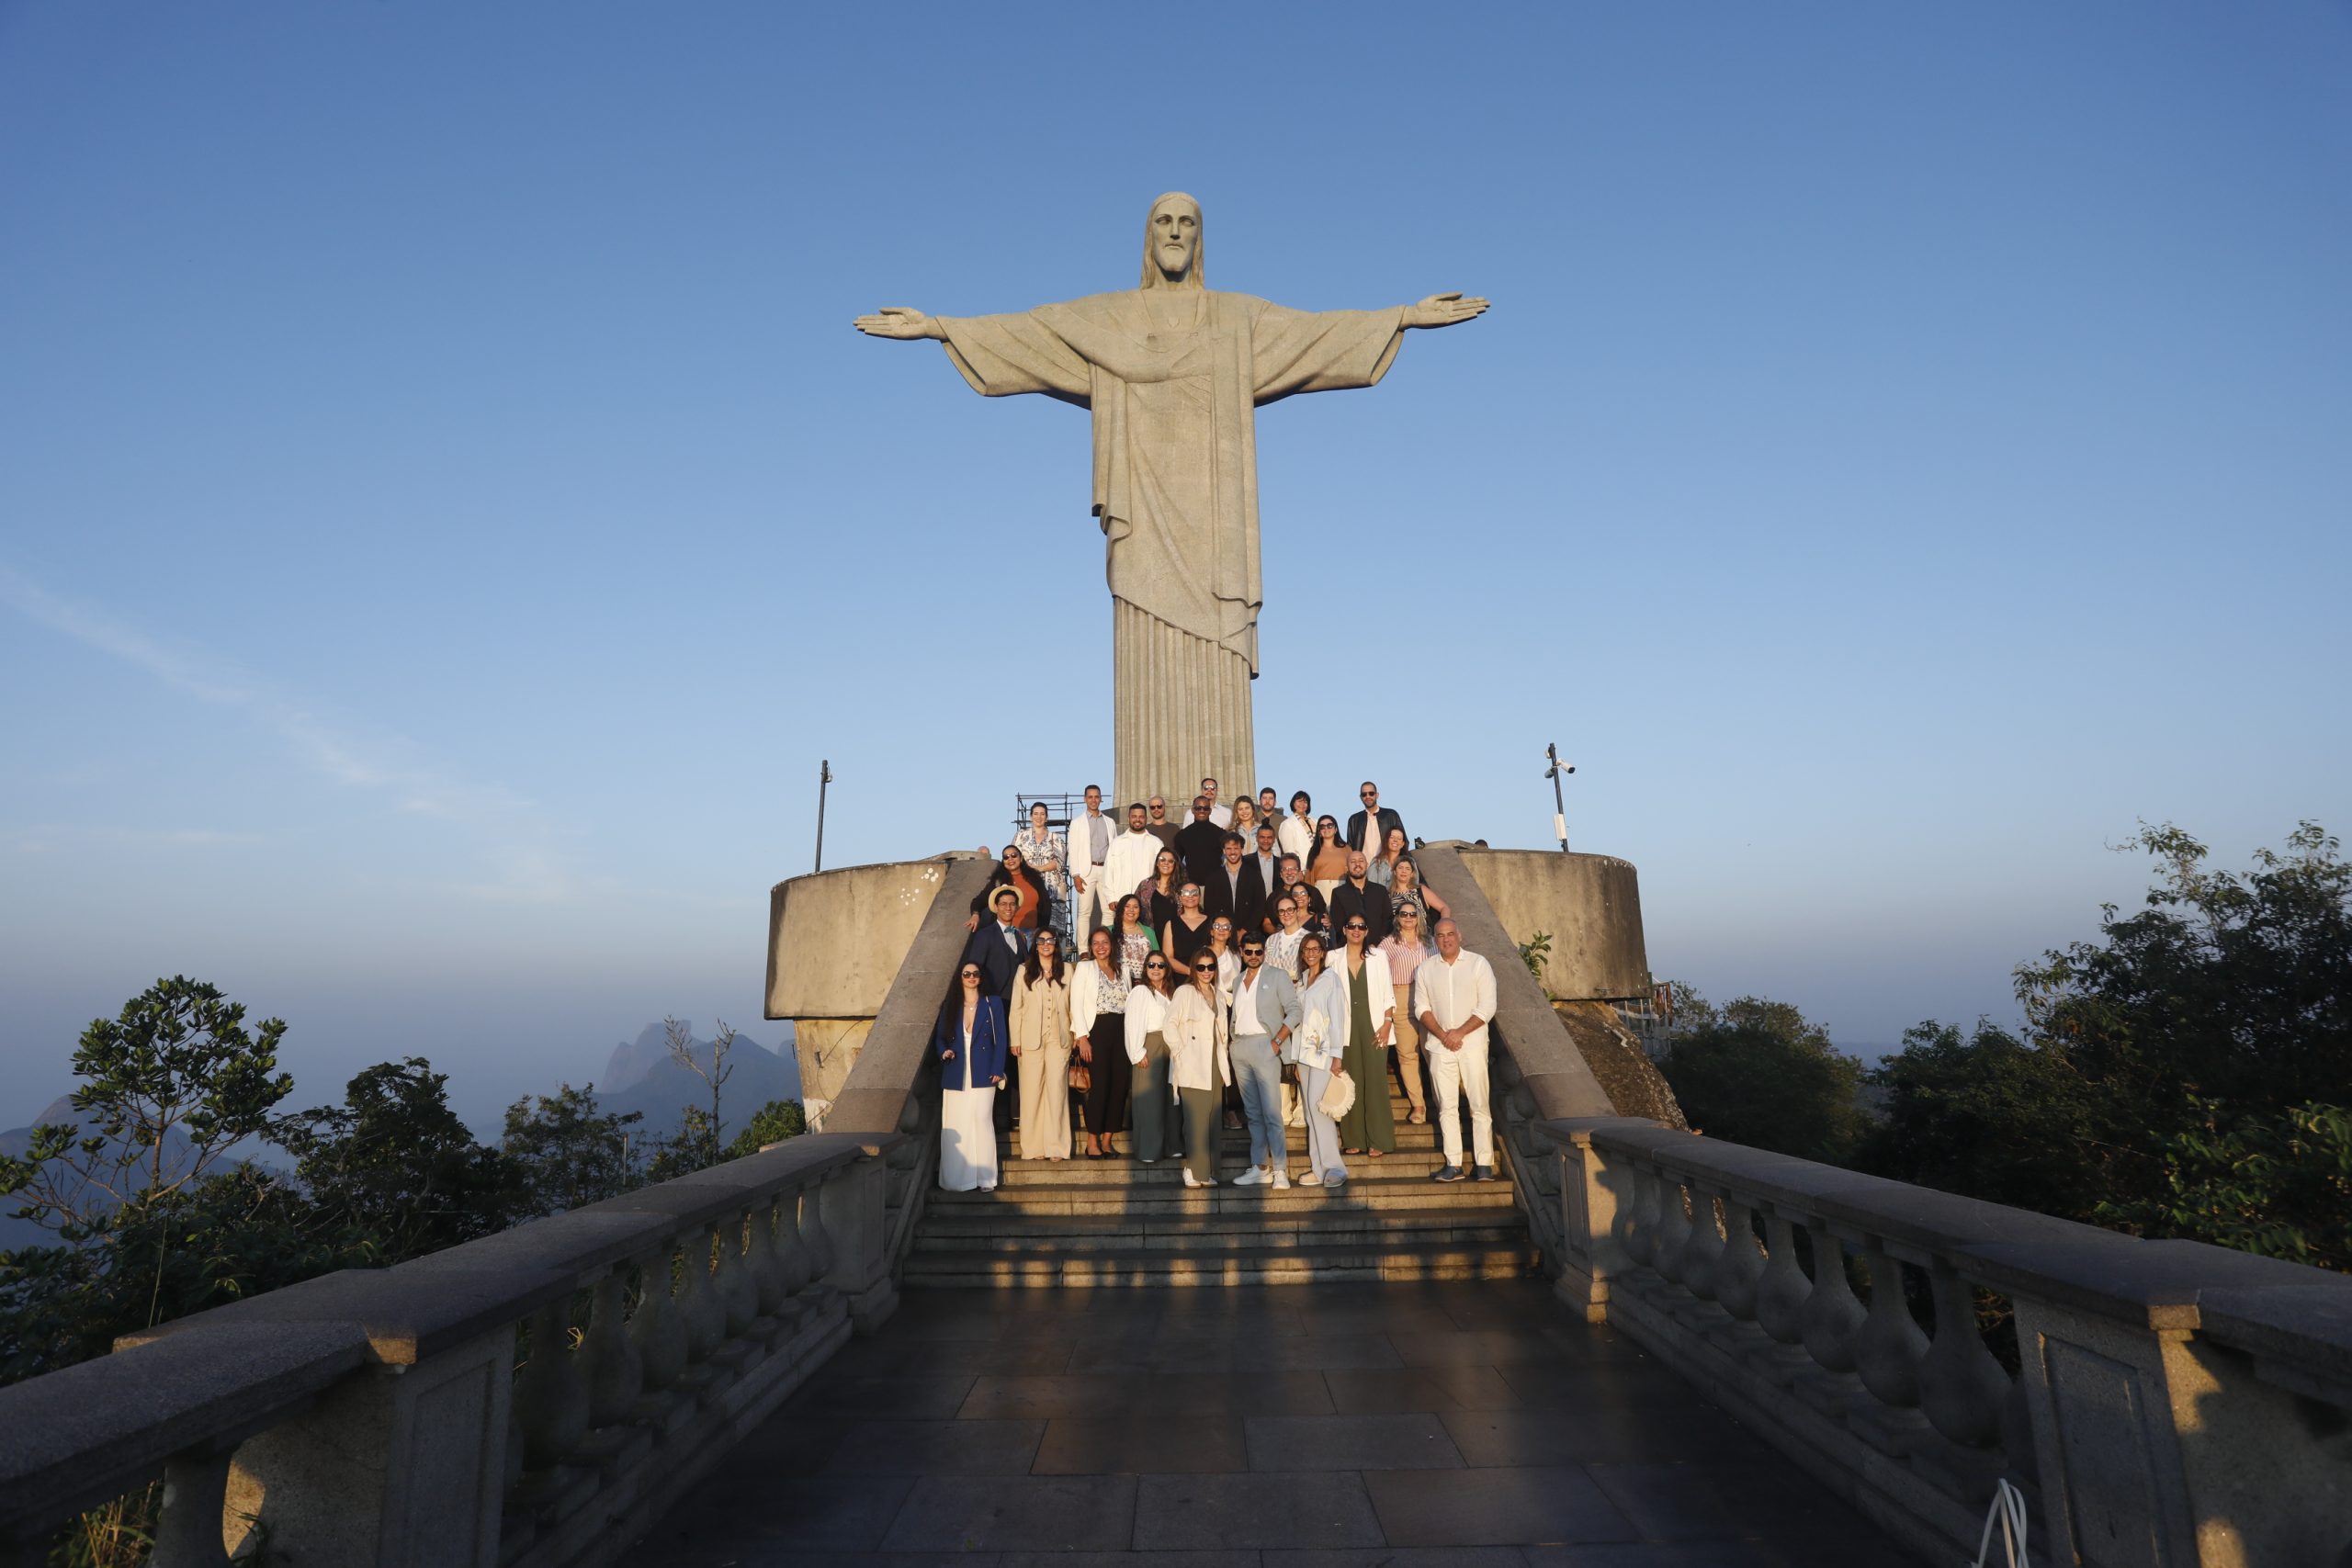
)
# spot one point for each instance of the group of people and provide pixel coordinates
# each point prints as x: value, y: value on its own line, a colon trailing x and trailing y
x: 1271, y: 969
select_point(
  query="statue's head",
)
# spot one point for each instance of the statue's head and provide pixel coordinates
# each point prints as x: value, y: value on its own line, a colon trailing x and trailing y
x: 1172, y: 243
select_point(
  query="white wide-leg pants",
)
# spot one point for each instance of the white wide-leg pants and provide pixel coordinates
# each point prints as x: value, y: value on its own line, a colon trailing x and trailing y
x: 968, y: 1138
x: 1455, y: 1074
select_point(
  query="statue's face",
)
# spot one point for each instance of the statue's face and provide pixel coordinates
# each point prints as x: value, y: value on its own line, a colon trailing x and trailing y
x: 1175, y: 236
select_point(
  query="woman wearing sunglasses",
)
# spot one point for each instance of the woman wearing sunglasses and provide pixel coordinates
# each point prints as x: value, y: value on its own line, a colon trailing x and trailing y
x: 970, y: 1042
x: 1200, y: 1064
x: 1155, y: 1134
x: 1369, y: 1128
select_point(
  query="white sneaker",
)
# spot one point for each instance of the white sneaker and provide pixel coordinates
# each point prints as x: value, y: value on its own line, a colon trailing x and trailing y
x: 1187, y: 1179
x: 1253, y: 1177
x: 1282, y: 1181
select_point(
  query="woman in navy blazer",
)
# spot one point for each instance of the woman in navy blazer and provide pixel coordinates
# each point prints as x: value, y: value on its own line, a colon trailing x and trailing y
x: 970, y: 1042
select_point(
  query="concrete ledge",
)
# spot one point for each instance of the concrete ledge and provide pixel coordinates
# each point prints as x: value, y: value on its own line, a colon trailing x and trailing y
x: 1590, y: 905
x: 78, y: 1437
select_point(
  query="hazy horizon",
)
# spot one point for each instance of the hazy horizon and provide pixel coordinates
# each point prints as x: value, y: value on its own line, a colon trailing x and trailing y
x: 448, y: 515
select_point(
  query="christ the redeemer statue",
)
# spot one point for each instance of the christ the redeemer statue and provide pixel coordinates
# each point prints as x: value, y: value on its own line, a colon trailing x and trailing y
x: 1172, y: 373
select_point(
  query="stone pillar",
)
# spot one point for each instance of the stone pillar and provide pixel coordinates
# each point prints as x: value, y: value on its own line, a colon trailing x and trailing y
x: 394, y: 1467
x: 1592, y: 1192
x: 852, y: 1203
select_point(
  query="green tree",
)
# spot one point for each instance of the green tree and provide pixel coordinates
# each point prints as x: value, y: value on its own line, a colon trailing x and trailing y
x: 772, y: 1124
x: 566, y: 1154
x: 391, y: 1173
x: 1985, y: 1114
x: 2280, y: 1185
x: 1756, y: 1072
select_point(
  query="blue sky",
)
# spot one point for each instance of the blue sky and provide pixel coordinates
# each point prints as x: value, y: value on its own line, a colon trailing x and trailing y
x: 445, y: 515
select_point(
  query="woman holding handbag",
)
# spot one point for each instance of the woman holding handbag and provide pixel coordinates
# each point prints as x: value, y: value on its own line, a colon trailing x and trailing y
x: 1319, y: 1052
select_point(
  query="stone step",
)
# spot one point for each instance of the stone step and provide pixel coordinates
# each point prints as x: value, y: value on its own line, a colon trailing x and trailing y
x: 1213, y: 1266
x: 1402, y: 1190
x: 1043, y: 1235
x: 1124, y: 1172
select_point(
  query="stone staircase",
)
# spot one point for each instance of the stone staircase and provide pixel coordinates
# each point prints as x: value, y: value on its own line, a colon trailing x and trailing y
x: 1113, y: 1221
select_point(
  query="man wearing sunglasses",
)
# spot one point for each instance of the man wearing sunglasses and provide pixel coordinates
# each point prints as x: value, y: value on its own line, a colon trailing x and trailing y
x: 1265, y: 1012
x: 1375, y: 819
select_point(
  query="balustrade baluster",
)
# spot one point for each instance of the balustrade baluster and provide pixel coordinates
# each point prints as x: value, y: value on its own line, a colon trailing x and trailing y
x: 767, y: 1262
x: 616, y: 1372
x: 551, y: 1396
x: 195, y: 1492
x: 1742, y: 1263
x: 1637, y: 1220
x: 1961, y: 1387
x: 737, y: 1293
x: 1702, y: 1249
x: 699, y: 1303
x: 1673, y: 1227
x: 1890, y: 1348
x: 813, y: 1232
x: 657, y: 1329
x: 792, y: 1248
x: 1782, y: 1295
x: 1832, y: 1316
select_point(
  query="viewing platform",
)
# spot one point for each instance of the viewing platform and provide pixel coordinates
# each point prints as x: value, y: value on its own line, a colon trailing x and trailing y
x: 1641, y: 1348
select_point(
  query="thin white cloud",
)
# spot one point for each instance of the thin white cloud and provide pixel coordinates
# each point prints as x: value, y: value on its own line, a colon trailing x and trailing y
x: 524, y: 866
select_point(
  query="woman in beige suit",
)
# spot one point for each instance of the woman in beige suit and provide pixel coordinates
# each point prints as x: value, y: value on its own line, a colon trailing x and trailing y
x: 1041, y: 1038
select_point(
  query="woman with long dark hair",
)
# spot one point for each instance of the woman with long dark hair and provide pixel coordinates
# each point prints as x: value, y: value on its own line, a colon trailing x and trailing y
x: 1013, y: 871
x: 1200, y: 1064
x: 1159, y: 892
x: 1368, y: 1128
x: 1098, y: 1006
x: 1319, y: 1052
x: 1041, y: 1038
x: 1328, y: 866
x: 1137, y: 940
x: 1155, y: 1136
x: 970, y: 1042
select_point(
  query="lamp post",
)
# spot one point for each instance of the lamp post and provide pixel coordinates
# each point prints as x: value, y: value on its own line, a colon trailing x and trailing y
x: 824, y: 778
x: 1559, y: 801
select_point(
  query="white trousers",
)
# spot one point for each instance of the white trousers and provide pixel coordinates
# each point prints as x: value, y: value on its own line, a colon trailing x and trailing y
x: 1090, y: 908
x: 968, y: 1138
x: 1322, y: 1133
x: 1454, y: 1073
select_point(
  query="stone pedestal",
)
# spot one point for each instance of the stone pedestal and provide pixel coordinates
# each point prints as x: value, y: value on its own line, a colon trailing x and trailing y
x: 1590, y: 905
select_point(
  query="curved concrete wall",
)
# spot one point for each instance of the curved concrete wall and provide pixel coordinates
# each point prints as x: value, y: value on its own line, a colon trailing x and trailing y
x: 836, y: 938
x: 1590, y: 905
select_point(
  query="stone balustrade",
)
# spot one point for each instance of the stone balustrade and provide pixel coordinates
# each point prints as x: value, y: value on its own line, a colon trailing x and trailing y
x: 534, y: 1398
x: 2159, y: 1403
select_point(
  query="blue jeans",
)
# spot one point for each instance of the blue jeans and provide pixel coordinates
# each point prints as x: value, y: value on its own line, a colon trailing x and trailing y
x: 1259, y: 1075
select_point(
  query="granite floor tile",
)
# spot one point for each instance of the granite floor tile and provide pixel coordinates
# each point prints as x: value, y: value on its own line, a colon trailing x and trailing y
x: 1475, y: 1348
x: 1326, y: 1509
x: 1649, y: 1554
x: 1414, y: 1440
x: 1493, y: 1508
x: 1034, y: 1353
x: 1760, y: 1499
x: 1016, y: 1513
x: 1231, y: 1393
x: 1370, y: 1393
x: 1616, y: 1385
x: 1601, y: 1434
x: 1275, y: 1352
x: 804, y: 1514
x: 936, y: 1447
x: 1397, y: 1557
x: 1114, y: 1445
x: 1049, y: 1397
x: 1243, y: 1558
x: 879, y: 1398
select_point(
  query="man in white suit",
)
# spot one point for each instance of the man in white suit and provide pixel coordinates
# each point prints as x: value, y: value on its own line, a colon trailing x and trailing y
x: 1453, y: 996
x: 1132, y: 854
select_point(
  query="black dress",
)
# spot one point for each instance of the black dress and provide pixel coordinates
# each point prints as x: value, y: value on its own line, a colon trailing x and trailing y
x: 1181, y: 943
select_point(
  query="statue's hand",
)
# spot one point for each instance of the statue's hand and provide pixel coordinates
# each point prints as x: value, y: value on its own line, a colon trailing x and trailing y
x: 1444, y: 310
x: 897, y: 320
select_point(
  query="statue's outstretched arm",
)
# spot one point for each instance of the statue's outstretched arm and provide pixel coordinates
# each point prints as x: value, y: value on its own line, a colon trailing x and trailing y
x: 903, y: 321
x: 1438, y: 310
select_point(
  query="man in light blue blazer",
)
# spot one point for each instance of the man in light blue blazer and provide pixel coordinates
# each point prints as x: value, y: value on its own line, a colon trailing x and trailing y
x: 1265, y: 1014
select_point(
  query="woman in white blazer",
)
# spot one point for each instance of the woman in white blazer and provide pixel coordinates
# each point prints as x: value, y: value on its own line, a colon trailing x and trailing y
x: 1370, y: 1126
x: 1318, y: 1051
x: 1200, y: 1064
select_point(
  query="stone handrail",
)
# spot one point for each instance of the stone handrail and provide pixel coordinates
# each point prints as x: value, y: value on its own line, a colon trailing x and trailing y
x: 534, y: 1398
x: 2171, y: 1402
x: 887, y: 1089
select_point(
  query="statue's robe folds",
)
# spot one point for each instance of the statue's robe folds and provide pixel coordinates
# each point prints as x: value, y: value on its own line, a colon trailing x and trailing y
x: 1176, y: 489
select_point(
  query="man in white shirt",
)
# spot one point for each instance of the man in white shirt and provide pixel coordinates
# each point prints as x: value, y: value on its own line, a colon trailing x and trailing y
x: 1091, y: 833
x: 1454, y: 998
x: 1132, y: 854
x: 1219, y: 813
